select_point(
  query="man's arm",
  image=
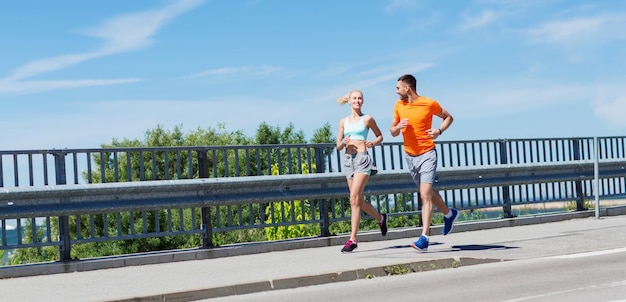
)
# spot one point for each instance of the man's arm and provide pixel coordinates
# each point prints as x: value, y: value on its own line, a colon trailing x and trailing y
x: 447, y: 120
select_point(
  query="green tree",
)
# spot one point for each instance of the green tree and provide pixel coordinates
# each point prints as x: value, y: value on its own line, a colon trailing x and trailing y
x: 268, y: 135
x: 323, y: 135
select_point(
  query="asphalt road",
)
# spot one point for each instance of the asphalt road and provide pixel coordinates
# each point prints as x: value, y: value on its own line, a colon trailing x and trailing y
x: 592, y: 276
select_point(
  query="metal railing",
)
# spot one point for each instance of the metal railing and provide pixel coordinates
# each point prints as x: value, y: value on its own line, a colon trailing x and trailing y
x: 154, y: 192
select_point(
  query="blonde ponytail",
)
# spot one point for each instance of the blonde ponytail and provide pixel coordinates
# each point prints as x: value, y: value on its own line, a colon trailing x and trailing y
x: 344, y: 99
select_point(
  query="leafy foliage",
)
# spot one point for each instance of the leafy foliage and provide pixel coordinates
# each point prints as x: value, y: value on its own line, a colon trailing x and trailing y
x: 33, y: 255
x: 294, y: 211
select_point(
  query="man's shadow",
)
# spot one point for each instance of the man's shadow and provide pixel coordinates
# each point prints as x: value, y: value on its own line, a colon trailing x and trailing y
x: 481, y: 247
x: 465, y: 247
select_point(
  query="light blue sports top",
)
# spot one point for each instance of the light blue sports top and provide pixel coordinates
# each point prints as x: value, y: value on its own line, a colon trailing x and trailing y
x: 357, y: 130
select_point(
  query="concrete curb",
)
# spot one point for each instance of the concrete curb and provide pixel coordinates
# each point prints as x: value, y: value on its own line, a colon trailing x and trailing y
x: 290, y: 283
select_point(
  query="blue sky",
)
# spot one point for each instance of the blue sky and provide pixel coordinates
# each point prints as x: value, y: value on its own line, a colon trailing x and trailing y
x: 76, y: 74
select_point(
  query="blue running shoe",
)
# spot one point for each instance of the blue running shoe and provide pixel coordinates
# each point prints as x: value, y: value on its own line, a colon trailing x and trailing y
x: 449, y: 222
x: 421, y: 243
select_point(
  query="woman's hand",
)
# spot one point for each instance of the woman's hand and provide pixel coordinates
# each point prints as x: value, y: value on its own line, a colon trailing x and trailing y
x: 346, y: 140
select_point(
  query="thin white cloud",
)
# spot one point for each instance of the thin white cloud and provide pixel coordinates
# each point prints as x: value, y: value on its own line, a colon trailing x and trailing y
x: 134, y: 31
x: 128, y: 124
x: 612, y: 111
x: 580, y: 30
x: 471, y: 22
x: 49, y: 64
x: 120, y: 34
x: 377, y: 76
x: 249, y: 70
x: 514, y: 98
x: 20, y: 87
x: 609, y: 103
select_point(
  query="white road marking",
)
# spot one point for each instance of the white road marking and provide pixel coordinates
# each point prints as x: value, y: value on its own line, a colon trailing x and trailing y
x: 589, y: 254
x: 606, y: 285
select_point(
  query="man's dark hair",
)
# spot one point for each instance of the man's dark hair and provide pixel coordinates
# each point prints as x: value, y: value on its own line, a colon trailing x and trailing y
x: 409, y: 80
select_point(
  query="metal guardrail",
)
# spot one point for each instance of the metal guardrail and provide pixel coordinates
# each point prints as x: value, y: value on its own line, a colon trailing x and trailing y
x: 44, y: 201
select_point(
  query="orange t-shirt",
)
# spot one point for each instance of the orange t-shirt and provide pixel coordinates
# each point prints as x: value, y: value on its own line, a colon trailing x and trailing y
x: 420, y: 114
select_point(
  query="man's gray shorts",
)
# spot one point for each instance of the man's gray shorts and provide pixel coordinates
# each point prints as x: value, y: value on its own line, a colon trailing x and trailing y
x: 422, y: 167
x: 359, y: 163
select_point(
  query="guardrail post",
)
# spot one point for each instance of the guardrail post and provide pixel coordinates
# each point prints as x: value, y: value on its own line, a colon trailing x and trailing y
x: 419, y: 209
x: 207, y: 226
x: 323, y: 203
x: 580, y: 197
x: 506, y: 195
x: 64, y: 224
x: 596, y: 176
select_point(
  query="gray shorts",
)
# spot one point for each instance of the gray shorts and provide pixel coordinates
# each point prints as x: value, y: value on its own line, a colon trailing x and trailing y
x: 359, y: 163
x: 423, y: 166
